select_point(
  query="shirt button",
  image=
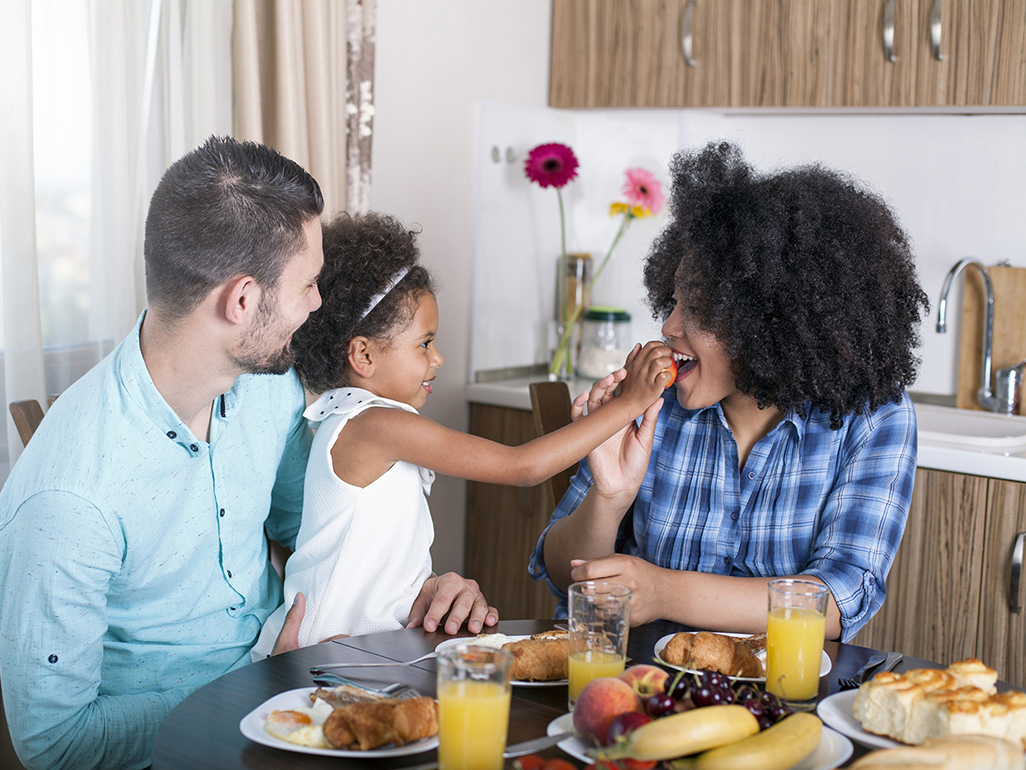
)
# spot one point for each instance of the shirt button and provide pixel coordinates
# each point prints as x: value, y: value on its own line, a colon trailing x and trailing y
x: 751, y: 474
x: 872, y: 580
x: 229, y: 573
x: 52, y: 659
x: 734, y: 515
x: 172, y: 434
x: 726, y: 560
x: 194, y: 447
x: 221, y: 513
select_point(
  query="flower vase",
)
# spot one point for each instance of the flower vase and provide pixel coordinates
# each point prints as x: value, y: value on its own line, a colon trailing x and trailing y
x: 563, y: 361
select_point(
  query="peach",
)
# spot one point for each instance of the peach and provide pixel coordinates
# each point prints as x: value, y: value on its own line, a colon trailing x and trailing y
x: 601, y: 701
x: 646, y: 680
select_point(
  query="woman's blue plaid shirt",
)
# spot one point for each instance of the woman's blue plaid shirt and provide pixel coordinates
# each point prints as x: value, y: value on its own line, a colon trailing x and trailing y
x: 809, y: 500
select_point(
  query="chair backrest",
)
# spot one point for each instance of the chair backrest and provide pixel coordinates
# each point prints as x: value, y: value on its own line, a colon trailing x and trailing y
x: 550, y: 403
x: 27, y: 416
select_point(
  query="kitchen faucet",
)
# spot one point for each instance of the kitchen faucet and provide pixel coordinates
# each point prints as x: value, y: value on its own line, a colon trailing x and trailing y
x: 1009, y: 380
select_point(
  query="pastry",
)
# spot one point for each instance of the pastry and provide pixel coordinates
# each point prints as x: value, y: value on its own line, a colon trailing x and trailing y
x: 368, y: 725
x: 712, y: 652
x: 917, y: 705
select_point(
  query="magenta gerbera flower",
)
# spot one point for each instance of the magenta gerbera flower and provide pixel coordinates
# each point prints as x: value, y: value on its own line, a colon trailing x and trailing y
x: 551, y: 165
x: 643, y: 189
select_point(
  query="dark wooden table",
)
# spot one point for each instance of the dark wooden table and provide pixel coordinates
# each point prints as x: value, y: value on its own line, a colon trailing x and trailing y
x: 203, y: 731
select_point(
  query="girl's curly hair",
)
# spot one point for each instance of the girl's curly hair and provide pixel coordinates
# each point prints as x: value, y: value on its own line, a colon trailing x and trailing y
x: 362, y: 254
x: 804, y: 276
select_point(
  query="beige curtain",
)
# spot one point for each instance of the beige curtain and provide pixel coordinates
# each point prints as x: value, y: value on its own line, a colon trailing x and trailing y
x: 303, y: 83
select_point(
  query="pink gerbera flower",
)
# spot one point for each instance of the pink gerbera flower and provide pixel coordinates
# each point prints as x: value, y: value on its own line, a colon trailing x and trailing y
x: 643, y: 189
x: 551, y: 165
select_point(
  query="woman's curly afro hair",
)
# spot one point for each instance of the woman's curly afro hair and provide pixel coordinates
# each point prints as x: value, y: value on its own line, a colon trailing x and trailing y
x: 362, y: 254
x: 804, y: 276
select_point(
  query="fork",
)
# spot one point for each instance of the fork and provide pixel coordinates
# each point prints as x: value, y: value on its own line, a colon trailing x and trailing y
x: 317, y: 670
x: 856, y: 681
x: 399, y: 691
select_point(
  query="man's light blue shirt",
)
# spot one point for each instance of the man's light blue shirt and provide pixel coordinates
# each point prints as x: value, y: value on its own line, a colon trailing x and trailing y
x: 133, y: 562
x: 809, y: 500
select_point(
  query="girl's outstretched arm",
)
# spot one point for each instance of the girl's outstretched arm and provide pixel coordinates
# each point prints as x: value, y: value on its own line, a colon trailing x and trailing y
x: 376, y: 438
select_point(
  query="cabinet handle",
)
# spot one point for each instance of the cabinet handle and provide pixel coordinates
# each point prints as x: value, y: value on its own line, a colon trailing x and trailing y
x: 888, y: 32
x: 935, y: 30
x: 1014, y: 573
x: 685, y: 34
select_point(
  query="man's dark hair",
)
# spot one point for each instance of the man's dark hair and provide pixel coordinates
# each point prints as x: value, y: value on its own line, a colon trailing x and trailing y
x: 226, y: 209
x: 804, y: 276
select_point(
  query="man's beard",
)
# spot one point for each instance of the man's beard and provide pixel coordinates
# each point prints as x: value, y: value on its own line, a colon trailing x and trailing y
x: 252, y: 356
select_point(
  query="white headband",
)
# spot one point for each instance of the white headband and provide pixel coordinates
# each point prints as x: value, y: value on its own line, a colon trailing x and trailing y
x: 376, y: 299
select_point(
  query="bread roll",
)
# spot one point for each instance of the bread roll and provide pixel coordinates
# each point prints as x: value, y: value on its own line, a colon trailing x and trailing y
x: 929, y: 703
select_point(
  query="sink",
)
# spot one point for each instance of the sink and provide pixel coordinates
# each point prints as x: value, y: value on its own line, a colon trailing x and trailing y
x: 970, y: 429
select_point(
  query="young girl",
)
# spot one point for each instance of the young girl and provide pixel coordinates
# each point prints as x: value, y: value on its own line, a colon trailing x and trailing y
x: 362, y: 551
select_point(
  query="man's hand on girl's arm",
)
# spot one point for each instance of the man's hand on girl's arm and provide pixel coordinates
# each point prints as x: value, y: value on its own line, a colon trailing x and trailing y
x: 458, y: 596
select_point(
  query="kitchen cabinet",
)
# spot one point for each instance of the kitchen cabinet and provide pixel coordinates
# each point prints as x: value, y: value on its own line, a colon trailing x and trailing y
x: 504, y: 523
x: 787, y: 53
x: 948, y: 592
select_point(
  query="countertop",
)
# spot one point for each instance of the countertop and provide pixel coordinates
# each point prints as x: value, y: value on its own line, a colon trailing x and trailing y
x: 513, y: 393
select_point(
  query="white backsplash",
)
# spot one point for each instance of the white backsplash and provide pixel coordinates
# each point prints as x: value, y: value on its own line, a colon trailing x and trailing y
x: 955, y: 181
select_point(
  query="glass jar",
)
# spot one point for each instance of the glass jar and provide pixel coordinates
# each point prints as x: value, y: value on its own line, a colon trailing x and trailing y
x: 605, y: 341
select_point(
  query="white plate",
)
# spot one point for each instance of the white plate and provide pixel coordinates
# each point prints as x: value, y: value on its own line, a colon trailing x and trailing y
x: 449, y: 643
x: 252, y: 726
x: 824, y: 663
x: 836, y: 711
x: 833, y: 749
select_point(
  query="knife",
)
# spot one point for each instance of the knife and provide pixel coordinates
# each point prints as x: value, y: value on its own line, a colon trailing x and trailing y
x: 516, y: 750
x: 893, y: 659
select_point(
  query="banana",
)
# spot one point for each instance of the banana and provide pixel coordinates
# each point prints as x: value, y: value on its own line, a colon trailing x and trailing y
x: 778, y: 747
x: 685, y: 733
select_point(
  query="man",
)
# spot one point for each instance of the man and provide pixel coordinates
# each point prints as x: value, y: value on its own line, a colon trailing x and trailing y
x: 133, y: 561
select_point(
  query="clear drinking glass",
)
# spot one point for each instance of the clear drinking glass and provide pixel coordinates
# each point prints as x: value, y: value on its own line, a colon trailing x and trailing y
x: 795, y: 629
x: 473, y: 707
x: 599, y: 620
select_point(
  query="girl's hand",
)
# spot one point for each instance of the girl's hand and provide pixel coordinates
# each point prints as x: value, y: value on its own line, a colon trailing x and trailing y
x: 645, y: 580
x: 649, y: 372
x: 601, y: 392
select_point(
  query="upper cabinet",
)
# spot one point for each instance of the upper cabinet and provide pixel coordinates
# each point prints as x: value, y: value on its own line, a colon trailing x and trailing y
x: 788, y: 53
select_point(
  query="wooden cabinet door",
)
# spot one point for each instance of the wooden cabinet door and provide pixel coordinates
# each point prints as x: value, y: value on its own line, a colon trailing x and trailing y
x: 1001, y: 636
x: 983, y: 50
x: 629, y: 53
x: 869, y: 78
x: 786, y: 53
x: 504, y: 523
x: 933, y: 589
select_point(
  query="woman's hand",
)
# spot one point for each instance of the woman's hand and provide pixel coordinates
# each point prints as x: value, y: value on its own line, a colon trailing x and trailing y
x: 645, y: 580
x: 618, y: 465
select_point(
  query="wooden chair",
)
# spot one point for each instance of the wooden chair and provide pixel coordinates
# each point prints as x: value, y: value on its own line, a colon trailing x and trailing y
x: 27, y: 416
x: 550, y: 403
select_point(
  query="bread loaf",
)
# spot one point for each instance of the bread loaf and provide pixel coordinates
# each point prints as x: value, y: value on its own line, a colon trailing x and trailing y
x: 921, y: 704
x: 950, y: 752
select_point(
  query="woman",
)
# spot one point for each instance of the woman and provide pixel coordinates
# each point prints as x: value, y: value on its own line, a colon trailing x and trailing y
x: 788, y: 445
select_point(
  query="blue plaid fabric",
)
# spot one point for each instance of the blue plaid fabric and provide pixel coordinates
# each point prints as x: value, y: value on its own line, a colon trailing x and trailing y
x: 810, y: 500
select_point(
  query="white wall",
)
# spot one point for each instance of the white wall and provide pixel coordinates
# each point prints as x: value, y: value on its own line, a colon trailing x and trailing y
x: 434, y: 59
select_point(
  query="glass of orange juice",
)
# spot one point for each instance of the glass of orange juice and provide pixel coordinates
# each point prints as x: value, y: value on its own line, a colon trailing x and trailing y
x: 599, y: 620
x: 473, y: 707
x: 795, y: 629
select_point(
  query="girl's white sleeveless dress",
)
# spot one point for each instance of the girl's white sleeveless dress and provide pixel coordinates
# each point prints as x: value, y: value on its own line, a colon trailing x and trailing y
x: 362, y: 554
